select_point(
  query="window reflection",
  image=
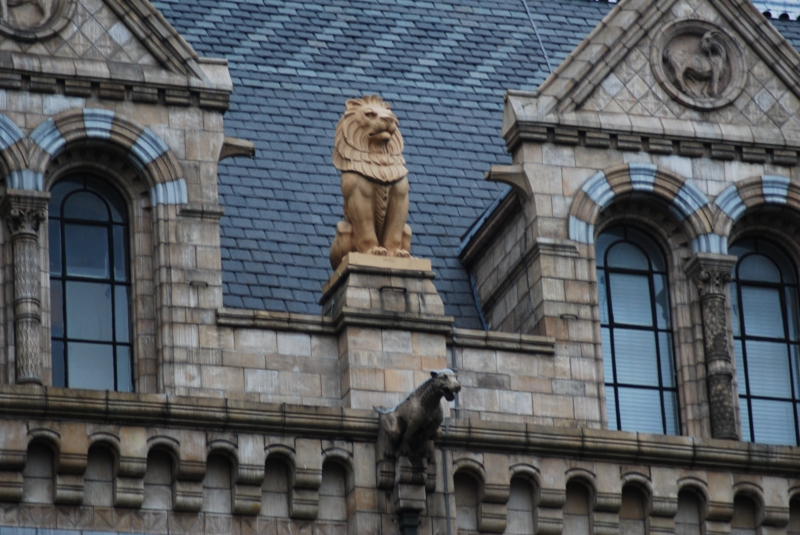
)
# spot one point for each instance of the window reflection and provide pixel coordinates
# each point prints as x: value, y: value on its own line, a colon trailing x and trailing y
x: 89, y: 286
x: 765, y: 327
x: 638, y: 359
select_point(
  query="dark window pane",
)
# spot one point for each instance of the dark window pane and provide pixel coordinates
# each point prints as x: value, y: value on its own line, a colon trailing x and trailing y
x: 768, y: 369
x: 640, y: 410
x: 737, y: 350
x: 88, y: 311
x: 662, y: 301
x: 602, y: 295
x: 86, y: 206
x: 120, y: 254
x: 735, y: 318
x: 56, y: 309
x: 59, y: 191
x: 780, y: 259
x: 650, y: 248
x: 115, y: 202
x: 121, y: 308
x: 795, y: 352
x: 630, y: 299
x: 611, y: 408
x: 758, y: 268
x: 762, y: 311
x: 87, y: 251
x: 671, y: 412
x: 608, y: 356
x: 744, y: 412
x: 665, y: 352
x: 628, y: 256
x: 54, y: 237
x: 773, y: 422
x: 793, y: 306
x: 124, y: 373
x: 91, y: 366
x: 635, y: 353
x: 59, y: 378
x: 604, y: 240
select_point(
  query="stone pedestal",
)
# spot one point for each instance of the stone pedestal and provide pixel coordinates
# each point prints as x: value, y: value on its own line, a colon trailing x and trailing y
x: 391, y: 324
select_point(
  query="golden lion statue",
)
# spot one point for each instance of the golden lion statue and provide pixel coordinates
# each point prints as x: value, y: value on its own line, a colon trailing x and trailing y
x: 368, y: 150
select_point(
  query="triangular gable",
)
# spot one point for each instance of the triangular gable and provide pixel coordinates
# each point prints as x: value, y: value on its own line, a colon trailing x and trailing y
x: 612, y: 70
x: 118, y: 31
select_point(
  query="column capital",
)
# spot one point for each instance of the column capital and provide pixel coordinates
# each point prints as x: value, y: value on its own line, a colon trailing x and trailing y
x: 710, y: 272
x: 23, y: 210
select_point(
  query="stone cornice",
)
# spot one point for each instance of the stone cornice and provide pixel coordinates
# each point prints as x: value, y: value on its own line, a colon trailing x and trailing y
x: 40, y: 403
x: 117, y: 81
x: 623, y: 132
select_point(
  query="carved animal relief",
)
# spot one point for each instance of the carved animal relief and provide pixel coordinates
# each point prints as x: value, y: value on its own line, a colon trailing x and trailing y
x: 698, y: 64
x: 368, y: 151
x: 30, y: 20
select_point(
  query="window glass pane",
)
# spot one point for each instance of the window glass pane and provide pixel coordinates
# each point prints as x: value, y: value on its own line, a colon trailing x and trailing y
x: 54, y: 237
x: 630, y: 299
x: 87, y: 251
x: 744, y: 411
x: 777, y: 256
x: 671, y: 412
x: 740, y: 371
x: 758, y: 268
x: 665, y: 352
x: 59, y: 191
x: 602, y: 295
x: 773, y: 422
x: 762, y: 312
x: 737, y: 330
x: 640, y: 410
x: 628, y: 256
x: 795, y: 351
x: 608, y: 359
x: 124, y: 372
x: 650, y: 248
x: 604, y: 240
x: 91, y: 366
x: 768, y: 369
x: 56, y: 310
x: 611, y: 407
x: 635, y: 355
x: 792, y: 309
x: 121, y: 313
x: 120, y: 254
x: 115, y: 202
x: 86, y: 206
x: 59, y: 378
x: 662, y: 301
x: 744, y: 516
x: 88, y: 311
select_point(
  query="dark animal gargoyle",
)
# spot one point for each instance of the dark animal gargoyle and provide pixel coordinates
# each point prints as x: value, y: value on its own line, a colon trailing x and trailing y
x: 413, y: 423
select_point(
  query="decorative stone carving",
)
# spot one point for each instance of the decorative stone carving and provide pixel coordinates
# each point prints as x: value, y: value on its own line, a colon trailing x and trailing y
x: 411, y: 425
x: 24, y: 211
x: 368, y: 150
x: 31, y: 20
x: 711, y: 273
x: 698, y: 64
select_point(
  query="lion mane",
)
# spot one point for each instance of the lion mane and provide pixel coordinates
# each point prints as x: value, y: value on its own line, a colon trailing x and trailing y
x: 351, y: 148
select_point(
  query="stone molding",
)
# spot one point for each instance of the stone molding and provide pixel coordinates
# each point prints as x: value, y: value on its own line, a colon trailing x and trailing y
x: 658, y: 136
x: 35, y: 402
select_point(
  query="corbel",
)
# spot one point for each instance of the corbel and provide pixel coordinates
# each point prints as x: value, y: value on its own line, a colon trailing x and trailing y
x: 232, y: 146
x: 129, y: 482
x: 550, y: 499
x: 13, y: 455
x: 608, y: 499
x: 249, y: 475
x: 513, y: 175
x: 493, y: 506
x: 187, y: 489
x: 306, y: 480
x: 70, y: 465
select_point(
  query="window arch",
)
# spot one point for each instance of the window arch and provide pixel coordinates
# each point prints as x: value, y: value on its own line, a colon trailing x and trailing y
x: 766, y: 333
x: 89, y: 285
x: 638, y: 356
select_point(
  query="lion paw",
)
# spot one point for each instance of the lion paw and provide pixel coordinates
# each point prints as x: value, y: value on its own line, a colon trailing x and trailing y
x: 401, y: 253
x: 378, y: 251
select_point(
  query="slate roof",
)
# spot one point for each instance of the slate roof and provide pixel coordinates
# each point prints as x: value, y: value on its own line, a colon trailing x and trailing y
x: 444, y: 66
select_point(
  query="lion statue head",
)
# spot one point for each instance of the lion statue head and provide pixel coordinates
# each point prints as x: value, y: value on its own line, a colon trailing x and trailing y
x: 368, y: 141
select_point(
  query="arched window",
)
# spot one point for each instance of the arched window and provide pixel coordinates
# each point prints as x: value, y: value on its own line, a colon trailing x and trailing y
x: 744, y: 516
x: 466, y: 494
x: 89, y: 286
x: 520, y: 508
x: 577, y: 511
x: 766, y: 337
x: 638, y: 359
x: 633, y: 513
x: 687, y: 521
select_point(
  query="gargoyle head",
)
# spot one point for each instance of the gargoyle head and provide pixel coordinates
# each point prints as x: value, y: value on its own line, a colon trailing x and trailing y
x: 446, y: 383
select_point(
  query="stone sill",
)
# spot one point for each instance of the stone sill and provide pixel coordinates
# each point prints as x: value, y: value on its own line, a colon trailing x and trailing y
x: 307, y: 323
x: 34, y: 402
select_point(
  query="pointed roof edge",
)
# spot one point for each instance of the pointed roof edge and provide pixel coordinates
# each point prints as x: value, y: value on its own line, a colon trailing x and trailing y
x: 628, y: 22
x: 158, y: 36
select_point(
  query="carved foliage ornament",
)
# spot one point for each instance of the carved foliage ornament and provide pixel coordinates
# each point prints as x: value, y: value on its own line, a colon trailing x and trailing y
x: 698, y: 64
x: 32, y: 20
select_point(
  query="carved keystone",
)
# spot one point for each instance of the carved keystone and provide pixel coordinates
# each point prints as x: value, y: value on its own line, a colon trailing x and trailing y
x: 711, y: 273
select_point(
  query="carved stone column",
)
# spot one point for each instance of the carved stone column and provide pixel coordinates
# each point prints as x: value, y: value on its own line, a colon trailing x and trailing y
x: 711, y: 273
x: 23, y: 212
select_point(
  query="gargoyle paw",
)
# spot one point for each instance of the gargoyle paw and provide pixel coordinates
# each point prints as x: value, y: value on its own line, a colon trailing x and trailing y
x: 378, y: 251
x: 402, y: 253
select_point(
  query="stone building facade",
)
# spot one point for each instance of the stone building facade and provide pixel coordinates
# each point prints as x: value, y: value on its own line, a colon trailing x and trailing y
x: 133, y: 401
